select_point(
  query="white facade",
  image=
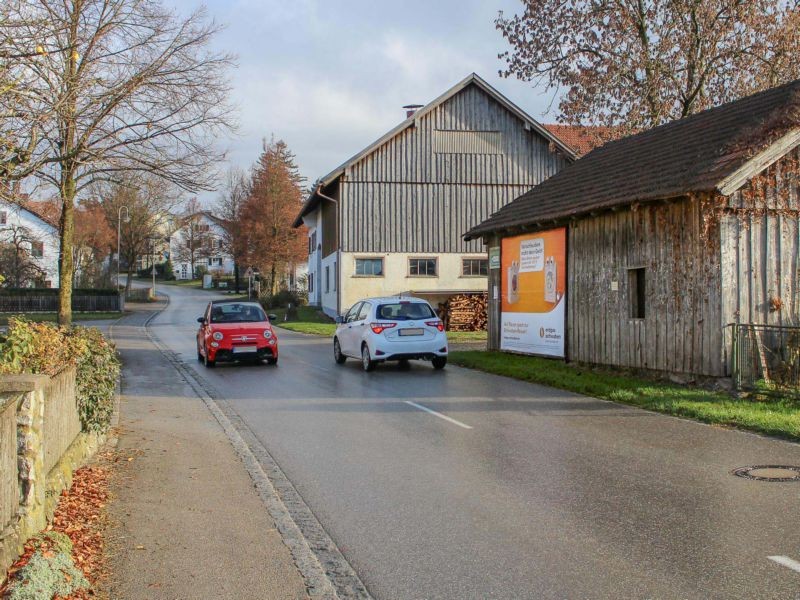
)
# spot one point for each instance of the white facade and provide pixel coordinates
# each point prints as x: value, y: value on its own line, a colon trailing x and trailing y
x: 44, y: 245
x: 215, y: 260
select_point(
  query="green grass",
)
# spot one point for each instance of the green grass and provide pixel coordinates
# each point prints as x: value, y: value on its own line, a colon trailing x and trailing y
x: 53, y: 317
x: 309, y: 320
x: 778, y: 417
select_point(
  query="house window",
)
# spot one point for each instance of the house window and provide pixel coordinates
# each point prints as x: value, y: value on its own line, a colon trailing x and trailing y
x: 422, y: 267
x: 210, y: 261
x: 327, y: 279
x: 310, y: 282
x: 3, y: 217
x: 474, y: 267
x: 369, y: 267
x: 219, y: 261
x: 37, y: 249
x: 335, y: 274
x: 636, y: 293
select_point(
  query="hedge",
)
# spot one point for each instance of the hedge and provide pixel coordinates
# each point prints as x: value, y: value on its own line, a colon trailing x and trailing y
x: 46, y: 348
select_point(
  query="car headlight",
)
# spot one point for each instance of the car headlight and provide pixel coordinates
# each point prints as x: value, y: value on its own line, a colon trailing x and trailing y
x: 267, y: 334
x: 217, y: 335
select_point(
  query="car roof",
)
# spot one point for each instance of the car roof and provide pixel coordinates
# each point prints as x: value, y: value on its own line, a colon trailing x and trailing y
x: 233, y: 301
x: 394, y: 299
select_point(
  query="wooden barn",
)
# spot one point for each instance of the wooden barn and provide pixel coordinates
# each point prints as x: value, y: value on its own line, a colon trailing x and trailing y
x: 390, y: 219
x: 660, y: 251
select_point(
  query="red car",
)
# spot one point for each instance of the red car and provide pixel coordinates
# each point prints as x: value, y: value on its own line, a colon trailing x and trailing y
x: 234, y: 330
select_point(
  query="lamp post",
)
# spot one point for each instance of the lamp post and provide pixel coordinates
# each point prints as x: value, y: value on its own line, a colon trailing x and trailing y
x: 119, y: 224
x: 153, y: 241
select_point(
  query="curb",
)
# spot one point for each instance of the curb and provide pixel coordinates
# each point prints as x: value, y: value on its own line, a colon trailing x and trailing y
x: 327, y: 573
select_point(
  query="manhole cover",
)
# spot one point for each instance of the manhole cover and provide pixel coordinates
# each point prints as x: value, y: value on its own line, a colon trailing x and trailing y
x: 769, y: 473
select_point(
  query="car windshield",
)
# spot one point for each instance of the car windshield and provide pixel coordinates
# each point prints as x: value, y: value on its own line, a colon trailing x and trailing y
x: 405, y: 311
x: 237, y: 313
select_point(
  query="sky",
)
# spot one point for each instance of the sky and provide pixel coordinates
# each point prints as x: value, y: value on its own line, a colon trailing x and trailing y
x: 331, y: 76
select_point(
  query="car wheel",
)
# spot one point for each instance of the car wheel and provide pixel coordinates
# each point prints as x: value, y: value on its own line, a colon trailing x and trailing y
x: 439, y: 362
x: 210, y: 364
x: 337, y: 352
x: 272, y: 361
x: 366, y: 360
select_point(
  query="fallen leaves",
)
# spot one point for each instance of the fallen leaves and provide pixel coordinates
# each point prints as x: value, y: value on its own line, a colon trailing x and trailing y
x: 80, y: 516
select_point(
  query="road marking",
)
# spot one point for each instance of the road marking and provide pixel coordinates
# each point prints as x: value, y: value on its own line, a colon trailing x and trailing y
x: 786, y: 562
x: 437, y: 414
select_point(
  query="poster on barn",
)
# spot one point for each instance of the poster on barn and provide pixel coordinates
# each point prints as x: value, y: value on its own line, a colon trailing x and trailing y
x: 533, y: 304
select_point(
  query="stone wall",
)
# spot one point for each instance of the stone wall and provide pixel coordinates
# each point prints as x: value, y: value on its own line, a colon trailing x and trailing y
x: 41, y: 444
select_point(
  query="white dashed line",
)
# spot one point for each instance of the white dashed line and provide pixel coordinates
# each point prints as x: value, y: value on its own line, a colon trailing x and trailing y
x: 786, y: 562
x: 437, y: 414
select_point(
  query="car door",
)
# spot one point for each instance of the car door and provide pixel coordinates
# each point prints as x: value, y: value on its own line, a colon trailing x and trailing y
x: 345, y: 333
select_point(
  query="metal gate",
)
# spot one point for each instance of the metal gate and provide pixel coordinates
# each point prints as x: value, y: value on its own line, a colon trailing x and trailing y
x: 766, y: 358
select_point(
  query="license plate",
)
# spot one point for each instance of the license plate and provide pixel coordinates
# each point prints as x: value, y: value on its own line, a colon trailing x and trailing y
x: 244, y: 349
x: 414, y: 331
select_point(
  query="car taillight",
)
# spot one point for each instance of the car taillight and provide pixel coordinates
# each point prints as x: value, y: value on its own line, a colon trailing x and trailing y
x: 381, y: 327
x: 438, y: 324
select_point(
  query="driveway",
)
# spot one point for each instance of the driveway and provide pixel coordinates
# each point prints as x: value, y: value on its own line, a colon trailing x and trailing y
x: 459, y: 484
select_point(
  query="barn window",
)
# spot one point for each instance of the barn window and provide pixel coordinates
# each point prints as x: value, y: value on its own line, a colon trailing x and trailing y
x: 422, y: 267
x: 474, y: 267
x: 369, y: 267
x: 636, y: 289
x: 467, y: 142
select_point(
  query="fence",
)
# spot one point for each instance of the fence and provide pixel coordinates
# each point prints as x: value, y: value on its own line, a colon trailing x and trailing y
x: 766, y: 358
x: 48, y: 302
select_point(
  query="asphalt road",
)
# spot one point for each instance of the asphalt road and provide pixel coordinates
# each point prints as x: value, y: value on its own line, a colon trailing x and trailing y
x: 527, y: 492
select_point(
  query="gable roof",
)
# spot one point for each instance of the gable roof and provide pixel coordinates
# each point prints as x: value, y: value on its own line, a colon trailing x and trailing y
x: 472, y: 79
x: 583, y: 138
x: 717, y: 149
x: 32, y: 211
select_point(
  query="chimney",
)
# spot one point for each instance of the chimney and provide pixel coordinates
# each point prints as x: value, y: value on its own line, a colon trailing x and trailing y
x: 411, y: 109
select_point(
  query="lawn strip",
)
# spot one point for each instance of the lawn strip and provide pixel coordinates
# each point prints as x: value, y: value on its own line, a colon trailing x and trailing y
x: 778, y: 417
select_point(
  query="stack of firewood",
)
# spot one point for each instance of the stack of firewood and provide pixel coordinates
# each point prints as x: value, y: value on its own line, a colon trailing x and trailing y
x: 465, y: 312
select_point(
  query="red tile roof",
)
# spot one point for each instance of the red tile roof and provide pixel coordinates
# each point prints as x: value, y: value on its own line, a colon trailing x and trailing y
x: 583, y: 138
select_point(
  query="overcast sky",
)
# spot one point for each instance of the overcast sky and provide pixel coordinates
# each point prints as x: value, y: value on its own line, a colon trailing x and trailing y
x: 330, y: 76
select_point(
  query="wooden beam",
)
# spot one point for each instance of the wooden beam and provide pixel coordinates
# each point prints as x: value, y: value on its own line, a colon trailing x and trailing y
x: 759, y: 162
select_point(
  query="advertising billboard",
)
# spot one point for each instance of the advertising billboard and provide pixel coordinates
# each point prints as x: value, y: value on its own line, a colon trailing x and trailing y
x: 534, y: 283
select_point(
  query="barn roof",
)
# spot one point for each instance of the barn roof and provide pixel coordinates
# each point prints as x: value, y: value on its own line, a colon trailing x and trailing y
x: 717, y: 149
x: 472, y: 79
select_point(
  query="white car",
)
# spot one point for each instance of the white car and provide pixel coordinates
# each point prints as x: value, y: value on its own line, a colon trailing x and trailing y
x: 397, y: 328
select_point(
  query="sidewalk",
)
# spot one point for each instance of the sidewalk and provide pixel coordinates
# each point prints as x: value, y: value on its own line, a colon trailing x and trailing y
x: 186, y: 521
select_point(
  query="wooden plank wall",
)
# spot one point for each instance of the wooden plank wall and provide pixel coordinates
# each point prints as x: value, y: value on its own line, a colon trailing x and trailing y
x: 761, y: 248
x: 681, y: 331
x: 404, y: 197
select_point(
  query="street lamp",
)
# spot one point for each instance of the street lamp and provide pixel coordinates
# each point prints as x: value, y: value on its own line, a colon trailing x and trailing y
x: 153, y: 241
x: 119, y: 223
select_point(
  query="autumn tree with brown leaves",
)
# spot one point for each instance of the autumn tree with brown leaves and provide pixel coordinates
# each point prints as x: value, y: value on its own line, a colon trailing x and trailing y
x: 267, y: 240
x: 640, y: 63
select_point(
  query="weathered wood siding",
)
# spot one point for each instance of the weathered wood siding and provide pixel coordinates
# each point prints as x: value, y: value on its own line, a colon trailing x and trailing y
x: 405, y: 197
x: 760, y: 234
x: 679, y: 249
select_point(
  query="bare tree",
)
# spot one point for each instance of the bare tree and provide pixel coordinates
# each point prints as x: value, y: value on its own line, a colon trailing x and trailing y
x: 126, y: 86
x: 194, y: 239
x: 229, y: 210
x: 639, y: 63
x: 17, y: 257
x: 148, y: 204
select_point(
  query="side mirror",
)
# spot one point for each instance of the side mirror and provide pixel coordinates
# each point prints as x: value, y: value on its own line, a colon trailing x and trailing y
x: 339, y: 320
x: 201, y: 320
x: 272, y: 317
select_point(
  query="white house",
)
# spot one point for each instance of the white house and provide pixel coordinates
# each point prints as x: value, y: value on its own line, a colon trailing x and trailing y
x: 390, y: 220
x: 201, y: 235
x: 35, y: 234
